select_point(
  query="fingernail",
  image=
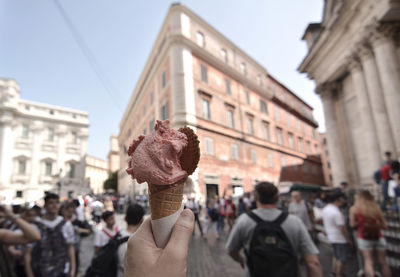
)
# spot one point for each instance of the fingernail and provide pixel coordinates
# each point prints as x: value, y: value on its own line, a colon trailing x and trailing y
x: 187, y: 215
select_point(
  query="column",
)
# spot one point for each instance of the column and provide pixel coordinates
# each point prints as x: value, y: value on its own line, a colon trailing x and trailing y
x: 387, y: 63
x: 332, y: 132
x: 369, y: 158
x: 6, y: 148
x: 379, y: 111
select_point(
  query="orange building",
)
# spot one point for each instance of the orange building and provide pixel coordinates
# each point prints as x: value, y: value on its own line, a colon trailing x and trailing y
x: 250, y: 126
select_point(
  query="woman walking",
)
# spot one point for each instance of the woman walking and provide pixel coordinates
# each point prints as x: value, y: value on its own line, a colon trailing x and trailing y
x: 367, y: 217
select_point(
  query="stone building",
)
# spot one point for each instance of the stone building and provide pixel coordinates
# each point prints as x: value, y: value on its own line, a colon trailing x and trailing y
x: 96, y: 172
x: 353, y: 57
x: 42, y: 147
x: 113, y: 154
x: 248, y: 123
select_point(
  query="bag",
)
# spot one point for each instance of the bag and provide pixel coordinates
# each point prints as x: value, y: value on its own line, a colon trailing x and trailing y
x: 213, y: 213
x: 371, y: 229
x: 271, y: 253
x: 50, y: 254
x: 105, y: 263
x: 83, y: 225
x: 377, y: 176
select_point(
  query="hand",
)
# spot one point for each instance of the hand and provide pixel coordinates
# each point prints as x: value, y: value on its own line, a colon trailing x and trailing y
x: 7, y: 212
x: 143, y: 258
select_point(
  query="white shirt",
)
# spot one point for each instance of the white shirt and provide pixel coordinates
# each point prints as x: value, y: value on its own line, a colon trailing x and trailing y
x: 121, y: 253
x: 80, y: 213
x: 101, y: 238
x: 333, y: 219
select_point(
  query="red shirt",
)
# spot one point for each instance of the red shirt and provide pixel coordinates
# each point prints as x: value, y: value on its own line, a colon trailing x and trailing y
x: 385, y: 172
x: 361, y: 221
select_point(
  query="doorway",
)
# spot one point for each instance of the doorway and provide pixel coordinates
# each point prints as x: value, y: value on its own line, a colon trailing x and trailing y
x: 212, y: 191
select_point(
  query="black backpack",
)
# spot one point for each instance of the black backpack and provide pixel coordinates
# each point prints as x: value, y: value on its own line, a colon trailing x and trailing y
x: 105, y: 262
x: 271, y: 253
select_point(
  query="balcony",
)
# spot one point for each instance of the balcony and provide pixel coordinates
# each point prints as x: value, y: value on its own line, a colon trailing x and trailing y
x: 18, y: 178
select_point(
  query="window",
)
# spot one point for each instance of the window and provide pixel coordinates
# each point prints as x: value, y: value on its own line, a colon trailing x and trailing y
x: 204, y: 75
x: 48, y: 166
x: 326, y: 153
x: 50, y: 134
x: 291, y: 141
x: 270, y: 160
x: 279, y: 136
x: 330, y: 177
x: 25, y: 131
x: 151, y: 126
x: 259, y: 80
x: 51, y: 112
x: 243, y: 69
x: 209, y: 146
x: 314, y: 134
x: 144, y: 110
x: 300, y: 142
x: 308, y: 147
x: 164, y: 111
x: 247, y: 97
x: 328, y: 165
x: 283, y: 161
x: 288, y: 119
x: 305, y: 168
x: 71, y: 170
x: 266, y: 131
x: 253, y: 154
x: 163, y: 79
x: 224, y: 55
x: 298, y: 125
x: 151, y: 98
x: 200, y: 39
x: 206, y: 109
x: 251, y: 126
x: 19, y: 194
x: 144, y: 131
x: 231, y: 119
x: 228, y: 86
x: 21, y: 167
x: 324, y: 141
x: 316, y: 150
x: 263, y: 107
x: 234, y: 152
x: 74, y: 137
x: 277, y: 114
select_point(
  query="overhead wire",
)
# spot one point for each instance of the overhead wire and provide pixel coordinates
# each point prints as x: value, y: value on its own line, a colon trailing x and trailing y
x: 88, y: 55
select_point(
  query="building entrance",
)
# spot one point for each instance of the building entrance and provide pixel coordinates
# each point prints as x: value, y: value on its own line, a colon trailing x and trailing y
x: 211, y: 191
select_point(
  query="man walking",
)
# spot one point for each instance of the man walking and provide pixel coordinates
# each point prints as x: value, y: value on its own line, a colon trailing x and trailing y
x: 299, y: 208
x: 191, y: 204
x: 107, y: 232
x: 277, y: 229
x: 335, y: 228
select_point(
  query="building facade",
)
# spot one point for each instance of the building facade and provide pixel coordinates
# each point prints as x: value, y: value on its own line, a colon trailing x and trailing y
x: 249, y: 124
x: 353, y: 57
x: 42, y: 147
x: 113, y: 154
x: 96, y: 172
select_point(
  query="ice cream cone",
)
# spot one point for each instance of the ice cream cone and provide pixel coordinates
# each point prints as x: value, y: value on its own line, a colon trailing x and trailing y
x: 191, y: 154
x: 165, y: 200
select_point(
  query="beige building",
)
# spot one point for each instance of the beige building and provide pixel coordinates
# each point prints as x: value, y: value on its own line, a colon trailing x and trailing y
x: 250, y: 125
x: 96, y: 172
x: 353, y: 58
x: 113, y: 154
x: 326, y: 163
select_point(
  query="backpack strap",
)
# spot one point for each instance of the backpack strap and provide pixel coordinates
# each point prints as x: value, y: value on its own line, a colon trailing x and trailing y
x: 281, y: 218
x: 255, y: 217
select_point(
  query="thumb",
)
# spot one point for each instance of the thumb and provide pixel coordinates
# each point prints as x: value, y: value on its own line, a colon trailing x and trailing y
x: 179, y: 242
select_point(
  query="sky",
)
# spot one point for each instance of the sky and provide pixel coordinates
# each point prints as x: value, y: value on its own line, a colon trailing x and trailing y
x: 38, y: 50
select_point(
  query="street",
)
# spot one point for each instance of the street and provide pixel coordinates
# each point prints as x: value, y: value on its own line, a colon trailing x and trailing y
x: 208, y: 256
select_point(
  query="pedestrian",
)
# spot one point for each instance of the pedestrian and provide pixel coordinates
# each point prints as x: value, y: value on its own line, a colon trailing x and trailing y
x: 241, y: 207
x: 194, y: 206
x: 275, y: 254
x: 230, y: 208
x: 54, y: 254
x: 385, y: 178
x: 211, y: 218
x: 27, y: 234
x: 247, y: 201
x: 220, y: 206
x: 366, y: 216
x: 97, y: 210
x: 133, y: 218
x: 107, y: 232
x: 335, y: 228
x: 109, y: 205
x: 298, y: 207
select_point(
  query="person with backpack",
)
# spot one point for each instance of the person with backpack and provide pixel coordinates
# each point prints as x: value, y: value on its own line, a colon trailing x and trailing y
x: 54, y: 254
x: 106, y: 233
x: 211, y: 218
x: 366, y: 216
x: 272, y: 239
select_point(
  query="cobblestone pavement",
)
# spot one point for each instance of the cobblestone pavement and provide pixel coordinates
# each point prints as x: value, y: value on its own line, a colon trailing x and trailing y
x: 208, y: 256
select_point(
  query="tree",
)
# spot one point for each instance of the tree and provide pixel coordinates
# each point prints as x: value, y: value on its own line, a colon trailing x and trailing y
x: 111, y: 182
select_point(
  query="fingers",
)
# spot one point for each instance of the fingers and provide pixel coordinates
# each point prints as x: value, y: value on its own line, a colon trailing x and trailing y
x: 179, y: 241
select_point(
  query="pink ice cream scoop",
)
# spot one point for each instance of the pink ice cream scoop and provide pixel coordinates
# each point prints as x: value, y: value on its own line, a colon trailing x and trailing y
x: 155, y: 158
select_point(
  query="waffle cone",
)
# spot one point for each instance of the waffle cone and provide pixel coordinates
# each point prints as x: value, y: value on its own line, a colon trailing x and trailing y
x: 191, y: 154
x: 165, y: 200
